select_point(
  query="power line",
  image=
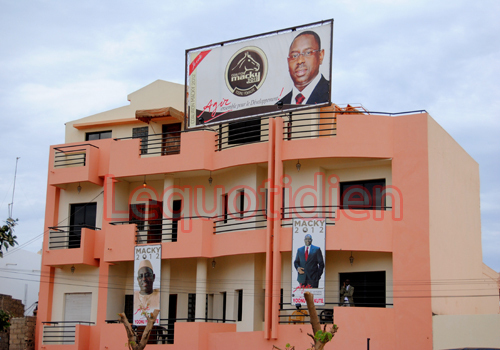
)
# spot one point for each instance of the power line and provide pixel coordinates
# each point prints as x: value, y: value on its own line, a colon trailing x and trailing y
x: 19, y: 247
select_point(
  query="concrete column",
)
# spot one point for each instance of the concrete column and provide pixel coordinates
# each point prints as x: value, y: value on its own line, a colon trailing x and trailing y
x: 165, y: 288
x: 201, y: 288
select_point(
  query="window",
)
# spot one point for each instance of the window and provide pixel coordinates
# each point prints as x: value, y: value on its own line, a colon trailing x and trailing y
x: 224, y: 301
x: 224, y: 207
x: 81, y: 216
x: 171, y: 139
x: 241, y: 203
x: 244, y: 132
x: 98, y: 135
x: 238, y: 305
x: 176, y: 215
x: 369, y: 287
x: 362, y: 194
x: 191, y: 307
x: 129, y: 307
x: 141, y: 133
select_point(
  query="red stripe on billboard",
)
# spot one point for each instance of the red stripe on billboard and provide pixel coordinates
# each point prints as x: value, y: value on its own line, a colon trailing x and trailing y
x: 197, y: 61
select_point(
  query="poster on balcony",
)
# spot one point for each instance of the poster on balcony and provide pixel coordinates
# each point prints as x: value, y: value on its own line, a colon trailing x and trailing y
x: 308, y: 260
x: 287, y: 69
x: 147, y: 282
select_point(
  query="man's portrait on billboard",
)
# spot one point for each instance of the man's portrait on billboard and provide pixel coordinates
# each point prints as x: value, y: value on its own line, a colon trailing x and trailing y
x: 147, y: 298
x: 304, y: 59
x: 309, y: 264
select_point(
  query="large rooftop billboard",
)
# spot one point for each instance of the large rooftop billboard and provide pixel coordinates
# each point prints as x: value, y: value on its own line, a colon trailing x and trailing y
x: 287, y: 69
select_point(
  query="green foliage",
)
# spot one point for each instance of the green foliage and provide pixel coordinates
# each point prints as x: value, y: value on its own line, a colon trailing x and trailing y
x: 4, y: 320
x: 7, y: 237
x: 323, y: 336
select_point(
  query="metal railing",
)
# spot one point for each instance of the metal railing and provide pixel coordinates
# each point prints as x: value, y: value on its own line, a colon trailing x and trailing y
x: 240, y: 222
x: 157, y: 230
x: 239, y: 133
x: 163, y: 144
x: 71, y: 156
x: 289, y: 315
x: 61, y: 332
x: 327, y: 212
x: 67, y: 237
x: 309, y: 125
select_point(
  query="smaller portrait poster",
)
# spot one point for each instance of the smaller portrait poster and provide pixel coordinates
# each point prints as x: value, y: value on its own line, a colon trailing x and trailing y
x: 147, y: 282
x: 308, y: 260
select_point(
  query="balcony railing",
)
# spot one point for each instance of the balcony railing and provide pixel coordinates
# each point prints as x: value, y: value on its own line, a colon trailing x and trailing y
x: 61, y: 332
x: 240, y: 222
x: 71, y: 156
x: 157, y: 230
x: 309, y: 125
x: 163, y: 144
x: 164, y: 332
x: 239, y: 133
x: 305, y: 212
x: 67, y: 237
x: 291, y: 315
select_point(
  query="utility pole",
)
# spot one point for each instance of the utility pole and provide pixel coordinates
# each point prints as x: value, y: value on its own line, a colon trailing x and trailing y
x: 11, y: 204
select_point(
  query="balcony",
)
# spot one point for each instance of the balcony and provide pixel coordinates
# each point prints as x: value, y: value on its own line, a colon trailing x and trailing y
x: 71, y: 245
x: 76, y: 333
x: 185, y: 335
x: 183, y: 238
x: 165, y: 333
x: 161, y: 153
x: 74, y: 163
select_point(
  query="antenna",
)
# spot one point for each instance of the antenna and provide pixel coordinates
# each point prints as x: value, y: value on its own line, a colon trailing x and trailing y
x: 11, y: 204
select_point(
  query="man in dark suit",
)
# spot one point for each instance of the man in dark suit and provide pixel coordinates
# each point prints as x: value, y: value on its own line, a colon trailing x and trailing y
x: 304, y: 58
x: 309, y: 264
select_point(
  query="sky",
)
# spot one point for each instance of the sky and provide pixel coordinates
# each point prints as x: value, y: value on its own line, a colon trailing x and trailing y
x: 65, y: 60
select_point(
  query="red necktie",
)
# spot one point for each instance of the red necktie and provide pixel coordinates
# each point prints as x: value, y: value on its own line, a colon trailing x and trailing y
x: 299, y: 98
x: 307, y: 248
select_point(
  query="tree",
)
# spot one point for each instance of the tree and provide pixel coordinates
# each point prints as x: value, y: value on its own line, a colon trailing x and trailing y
x: 4, y: 320
x: 132, y: 334
x: 7, y: 237
x: 321, y: 336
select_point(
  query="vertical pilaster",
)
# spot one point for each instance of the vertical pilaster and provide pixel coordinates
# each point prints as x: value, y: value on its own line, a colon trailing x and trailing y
x: 278, y: 203
x: 201, y: 288
x: 269, y: 233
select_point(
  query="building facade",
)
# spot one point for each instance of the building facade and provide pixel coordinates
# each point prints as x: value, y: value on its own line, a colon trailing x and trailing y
x: 399, y: 196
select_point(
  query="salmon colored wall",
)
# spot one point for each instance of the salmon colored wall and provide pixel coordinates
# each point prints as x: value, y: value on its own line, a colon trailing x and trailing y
x: 455, y: 235
x: 410, y: 170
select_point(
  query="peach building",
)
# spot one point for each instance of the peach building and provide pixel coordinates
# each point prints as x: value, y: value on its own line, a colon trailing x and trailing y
x: 220, y: 201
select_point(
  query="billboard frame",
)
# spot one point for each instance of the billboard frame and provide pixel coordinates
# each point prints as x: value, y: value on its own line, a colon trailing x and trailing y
x: 246, y: 38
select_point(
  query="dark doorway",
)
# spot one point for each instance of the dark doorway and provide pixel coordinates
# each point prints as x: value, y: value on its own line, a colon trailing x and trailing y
x: 369, y: 287
x: 155, y: 215
x: 176, y: 215
x: 171, y: 138
x: 172, y: 316
x: 81, y: 215
x: 244, y: 132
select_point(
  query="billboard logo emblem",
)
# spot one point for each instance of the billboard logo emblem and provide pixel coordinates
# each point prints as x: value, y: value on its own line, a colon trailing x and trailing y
x: 246, y: 71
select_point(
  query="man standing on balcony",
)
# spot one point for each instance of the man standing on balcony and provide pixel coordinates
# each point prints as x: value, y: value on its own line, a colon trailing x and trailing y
x: 346, y: 293
x: 309, y: 264
x: 147, y: 299
x: 304, y: 58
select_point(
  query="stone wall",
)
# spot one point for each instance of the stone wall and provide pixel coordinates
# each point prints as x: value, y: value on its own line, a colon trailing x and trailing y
x: 22, y: 333
x: 16, y: 308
